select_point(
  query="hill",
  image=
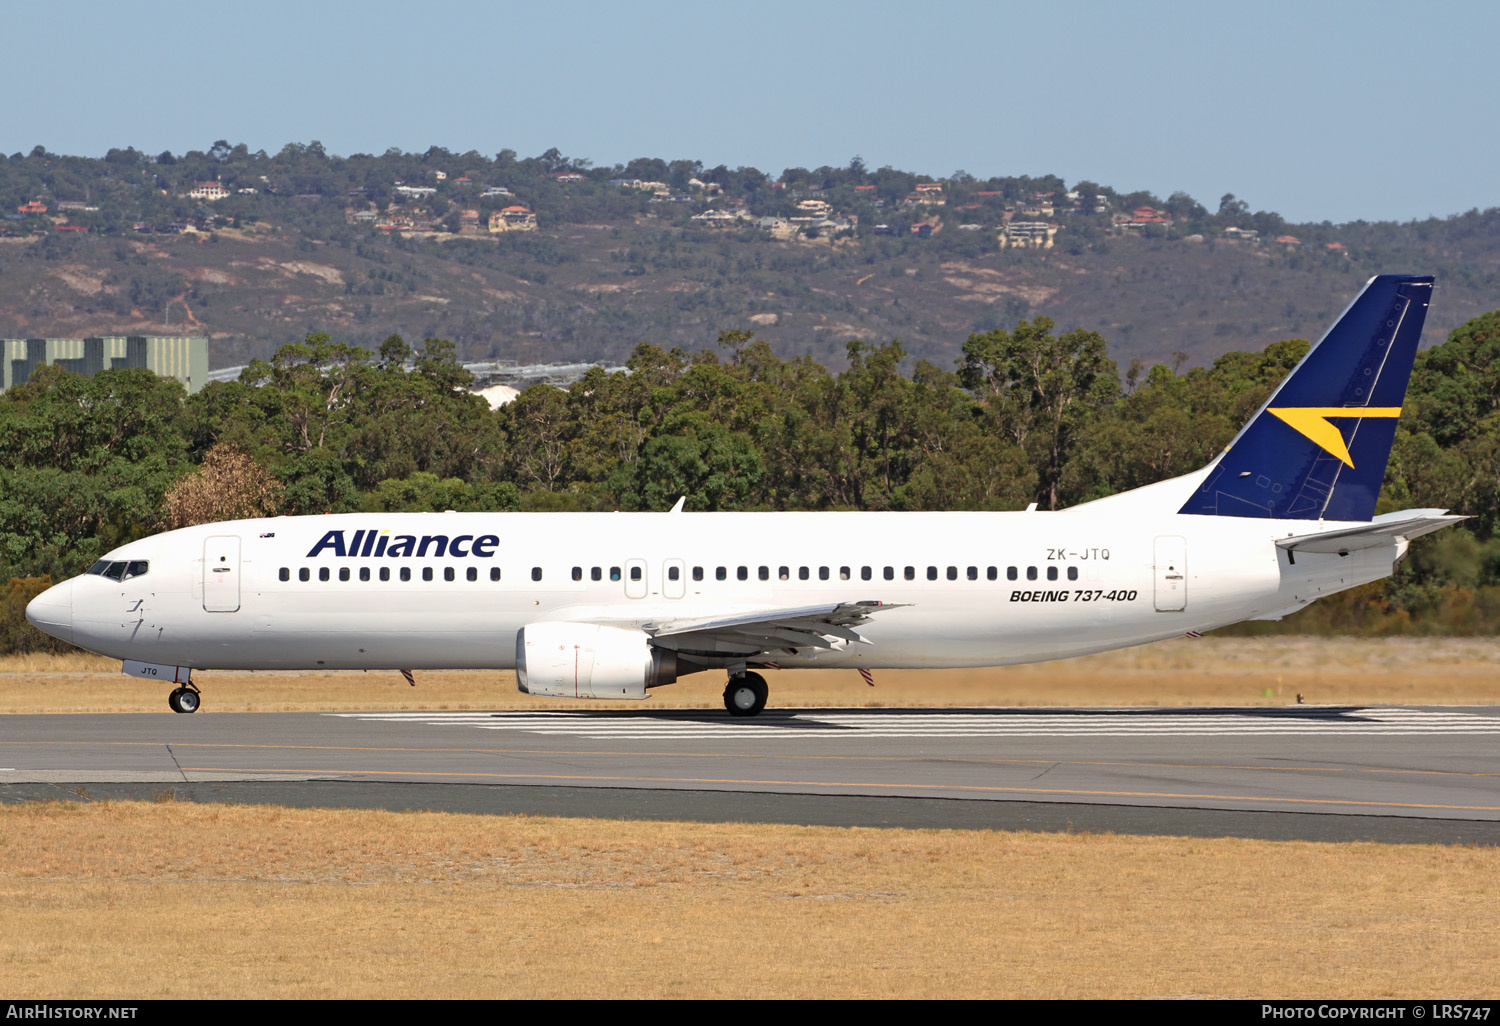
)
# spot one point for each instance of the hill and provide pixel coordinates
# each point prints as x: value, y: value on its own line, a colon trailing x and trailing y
x: 547, y: 258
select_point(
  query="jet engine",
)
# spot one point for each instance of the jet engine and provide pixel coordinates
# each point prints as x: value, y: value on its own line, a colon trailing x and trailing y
x: 585, y: 660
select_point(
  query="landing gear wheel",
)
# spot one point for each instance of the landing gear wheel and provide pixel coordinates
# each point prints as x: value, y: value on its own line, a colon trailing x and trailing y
x: 746, y: 694
x: 183, y: 700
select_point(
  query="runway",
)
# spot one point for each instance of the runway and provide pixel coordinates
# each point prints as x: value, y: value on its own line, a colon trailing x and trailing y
x: 1317, y: 772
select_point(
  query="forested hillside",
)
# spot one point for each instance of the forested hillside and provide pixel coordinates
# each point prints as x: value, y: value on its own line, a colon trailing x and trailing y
x: 1031, y: 413
x: 549, y: 258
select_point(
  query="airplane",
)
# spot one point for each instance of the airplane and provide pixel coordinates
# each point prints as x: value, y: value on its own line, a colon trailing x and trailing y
x: 612, y: 605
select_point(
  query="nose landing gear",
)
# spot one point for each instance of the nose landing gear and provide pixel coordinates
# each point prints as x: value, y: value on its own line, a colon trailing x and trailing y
x: 184, y: 699
x: 745, y: 694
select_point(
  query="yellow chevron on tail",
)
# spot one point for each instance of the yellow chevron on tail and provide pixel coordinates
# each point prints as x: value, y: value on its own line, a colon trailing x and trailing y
x: 1313, y: 422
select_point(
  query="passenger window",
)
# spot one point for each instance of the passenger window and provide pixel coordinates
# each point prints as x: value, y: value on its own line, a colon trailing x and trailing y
x: 802, y: 573
x: 721, y: 573
x: 596, y: 573
x: 385, y: 573
x: 448, y: 574
x: 323, y: 574
x: 406, y: 573
x: 364, y: 573
x: 783, y: 573
x: 635, y: 573
x: 578, y: 573
x: 427, y: 573
x: 890, y: 573
x: 764, y: 573
x: 343, y: 573
x: 536, y: 573
x: 932, y: 573
x: 973, y: 573
x: 1010, y: 573
x: 992, y: 574
x: 864, y: 573
x: 1031, y: 573
x: 953, y: 573
x: 1052, y: 573
x: 697, y: 573
x: 911, y: 573
x: 472, y: 573
x: 303, y: 574
x: 1072, y: 573
x: 822, y: 573
x: 494, y: 573
x: 673, y: 573
x: 743, y: 573
x: 284, y: 574
x: 614, y: 573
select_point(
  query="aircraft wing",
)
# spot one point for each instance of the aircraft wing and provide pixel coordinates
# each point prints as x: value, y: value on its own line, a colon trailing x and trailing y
x: 1383, y: 530
x: 767, y: 632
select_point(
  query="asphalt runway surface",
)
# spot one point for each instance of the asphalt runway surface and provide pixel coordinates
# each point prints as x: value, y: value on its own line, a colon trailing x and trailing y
x: 1380, y: 773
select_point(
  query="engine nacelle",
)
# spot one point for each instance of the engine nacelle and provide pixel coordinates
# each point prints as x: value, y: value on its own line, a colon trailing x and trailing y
x: 585, y: 660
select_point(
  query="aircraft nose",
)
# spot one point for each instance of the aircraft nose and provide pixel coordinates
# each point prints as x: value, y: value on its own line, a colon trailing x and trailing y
x: 52, y: 611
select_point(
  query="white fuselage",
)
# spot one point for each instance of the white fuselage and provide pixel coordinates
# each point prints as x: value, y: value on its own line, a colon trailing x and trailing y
x: 977, y: 589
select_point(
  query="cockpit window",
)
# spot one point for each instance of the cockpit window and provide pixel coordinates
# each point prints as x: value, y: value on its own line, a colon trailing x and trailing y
x: 120, y: 569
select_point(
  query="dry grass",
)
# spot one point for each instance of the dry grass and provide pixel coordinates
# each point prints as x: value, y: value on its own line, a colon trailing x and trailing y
x: 108, y: 899
x: 1210, y: 671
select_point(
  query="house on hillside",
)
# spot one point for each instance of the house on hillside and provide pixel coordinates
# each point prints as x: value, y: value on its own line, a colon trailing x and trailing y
x: 1030, y: 234
x: 34, y: 207
x: 1139, y: 218
x: 716, y: 219
x: 928, y: 195
x: 513, y: 219
x: 1241, y: 234
x: 208, y: 192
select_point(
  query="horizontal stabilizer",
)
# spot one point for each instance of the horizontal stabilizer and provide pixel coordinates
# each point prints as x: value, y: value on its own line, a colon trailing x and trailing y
x: 1383, y: 530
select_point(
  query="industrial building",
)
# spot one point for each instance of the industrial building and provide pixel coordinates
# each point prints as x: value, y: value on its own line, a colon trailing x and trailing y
x: 171, y: 356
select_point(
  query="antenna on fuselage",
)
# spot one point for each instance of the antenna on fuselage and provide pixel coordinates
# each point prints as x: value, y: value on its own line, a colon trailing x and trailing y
x: 681, y: 501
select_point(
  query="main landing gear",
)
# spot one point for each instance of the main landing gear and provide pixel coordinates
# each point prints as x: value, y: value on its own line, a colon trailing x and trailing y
x: 184, y: 699
x: 745, y: 694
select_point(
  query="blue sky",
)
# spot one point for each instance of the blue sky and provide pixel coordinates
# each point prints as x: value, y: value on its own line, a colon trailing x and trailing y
x: 1318, y: 110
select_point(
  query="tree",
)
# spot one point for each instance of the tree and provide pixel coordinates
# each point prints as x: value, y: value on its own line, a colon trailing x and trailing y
x: 228, y: 485
x: 1041, y: 390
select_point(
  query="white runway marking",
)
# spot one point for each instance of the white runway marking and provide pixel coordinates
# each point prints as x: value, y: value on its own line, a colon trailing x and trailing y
x: 670, y: 724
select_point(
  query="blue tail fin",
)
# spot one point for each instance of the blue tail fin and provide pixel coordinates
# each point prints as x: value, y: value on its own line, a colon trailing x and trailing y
x: 1317, y: 450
